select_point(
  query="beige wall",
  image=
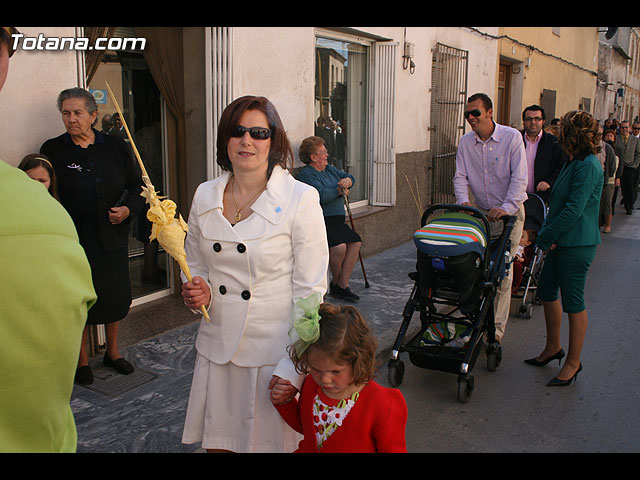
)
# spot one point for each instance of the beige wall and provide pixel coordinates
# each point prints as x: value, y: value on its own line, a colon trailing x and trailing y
x: 28, y: 112
x: 574, y: 45
x: 278, y: 63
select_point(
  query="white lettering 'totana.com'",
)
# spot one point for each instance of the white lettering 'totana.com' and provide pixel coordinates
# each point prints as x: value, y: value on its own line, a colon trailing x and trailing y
x: 76, y: 43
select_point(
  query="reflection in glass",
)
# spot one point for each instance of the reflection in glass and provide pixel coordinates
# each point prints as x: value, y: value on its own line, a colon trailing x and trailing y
x: 139, y: 99
x: 340, y: 107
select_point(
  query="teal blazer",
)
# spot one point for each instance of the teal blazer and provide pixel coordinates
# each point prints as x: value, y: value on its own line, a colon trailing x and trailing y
x: 574, y: 207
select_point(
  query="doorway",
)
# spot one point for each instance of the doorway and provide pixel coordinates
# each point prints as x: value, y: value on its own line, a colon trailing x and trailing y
x: 504, y: 93
x: 141, y: 104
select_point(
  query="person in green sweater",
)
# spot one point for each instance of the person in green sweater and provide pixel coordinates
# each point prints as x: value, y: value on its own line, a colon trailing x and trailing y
x: 45, y: 295
x: 570, y: 235
x: 332, y: 185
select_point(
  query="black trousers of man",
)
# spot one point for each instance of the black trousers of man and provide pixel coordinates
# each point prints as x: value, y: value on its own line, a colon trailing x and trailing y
x: 629, y: 187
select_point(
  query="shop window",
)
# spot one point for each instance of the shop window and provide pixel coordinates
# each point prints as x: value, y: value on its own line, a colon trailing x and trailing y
x: 140, y: 101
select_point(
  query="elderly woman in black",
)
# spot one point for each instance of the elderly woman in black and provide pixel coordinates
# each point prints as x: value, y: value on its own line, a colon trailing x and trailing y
x: 99, y: 185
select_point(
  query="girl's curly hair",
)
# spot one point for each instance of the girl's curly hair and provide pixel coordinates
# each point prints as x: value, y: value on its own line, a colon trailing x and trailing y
x: 579, y: 133
x: 346, y: 339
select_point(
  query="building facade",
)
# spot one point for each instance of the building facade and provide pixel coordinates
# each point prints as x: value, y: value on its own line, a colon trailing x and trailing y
x: 389, y: 99
x: 554, y: 67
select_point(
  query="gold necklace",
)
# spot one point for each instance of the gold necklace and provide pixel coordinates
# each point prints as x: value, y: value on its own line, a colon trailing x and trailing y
x: 238, y: 216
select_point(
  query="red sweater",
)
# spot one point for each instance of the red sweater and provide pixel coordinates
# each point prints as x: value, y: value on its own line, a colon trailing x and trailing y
x: 375, y: 424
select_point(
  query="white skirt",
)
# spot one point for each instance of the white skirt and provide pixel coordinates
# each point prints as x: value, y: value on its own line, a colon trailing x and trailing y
x: 230, y: 409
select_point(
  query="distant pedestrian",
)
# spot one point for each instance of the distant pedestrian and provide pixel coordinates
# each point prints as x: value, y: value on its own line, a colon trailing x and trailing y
x: 341, y: 409
x: 627, y: 148
x: 611, y: 167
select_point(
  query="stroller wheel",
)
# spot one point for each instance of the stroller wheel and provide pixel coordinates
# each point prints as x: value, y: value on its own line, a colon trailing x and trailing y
x: 395, y: 373
x: 465, y: 387
x: 525, y: 310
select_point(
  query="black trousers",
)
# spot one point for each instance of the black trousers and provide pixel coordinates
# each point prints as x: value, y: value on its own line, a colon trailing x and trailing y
x: 629, y: 187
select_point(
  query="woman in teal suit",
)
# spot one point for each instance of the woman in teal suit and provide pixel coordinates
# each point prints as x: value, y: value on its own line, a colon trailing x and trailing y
x: 570, y: 235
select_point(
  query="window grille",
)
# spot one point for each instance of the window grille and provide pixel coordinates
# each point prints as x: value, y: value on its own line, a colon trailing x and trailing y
x: 448, y: 98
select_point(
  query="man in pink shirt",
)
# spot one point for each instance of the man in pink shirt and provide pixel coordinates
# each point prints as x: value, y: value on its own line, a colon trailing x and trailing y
x: 491, y: 164
x: 544, y: 154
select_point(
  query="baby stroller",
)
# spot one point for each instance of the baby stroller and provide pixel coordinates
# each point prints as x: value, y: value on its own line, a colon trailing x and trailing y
x: 535, y: 214
x: 459, y: 269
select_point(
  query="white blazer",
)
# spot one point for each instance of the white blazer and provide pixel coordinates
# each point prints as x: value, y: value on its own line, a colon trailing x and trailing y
x: 256, y: 269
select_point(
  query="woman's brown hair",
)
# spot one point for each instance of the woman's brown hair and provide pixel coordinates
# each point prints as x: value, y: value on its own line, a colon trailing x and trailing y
x: 36, y: 160
x: 579, y: 133
x: 280, y: 152
x: 346, y: 339
x: 308, y: 147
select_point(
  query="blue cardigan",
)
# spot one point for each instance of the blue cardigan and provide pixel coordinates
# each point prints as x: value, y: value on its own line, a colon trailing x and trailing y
x: 326, y: 182
x: 574, y: 207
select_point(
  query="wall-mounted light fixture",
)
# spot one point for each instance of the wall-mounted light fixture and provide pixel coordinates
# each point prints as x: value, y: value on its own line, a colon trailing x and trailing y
x: 407, y: 57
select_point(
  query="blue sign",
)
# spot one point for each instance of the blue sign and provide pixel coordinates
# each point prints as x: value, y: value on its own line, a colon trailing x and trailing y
x: 99, y: 95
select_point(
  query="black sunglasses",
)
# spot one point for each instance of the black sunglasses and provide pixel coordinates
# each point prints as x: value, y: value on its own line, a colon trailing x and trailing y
x: 257, y: 133
x: 475, y: 113
x: 8, y: 31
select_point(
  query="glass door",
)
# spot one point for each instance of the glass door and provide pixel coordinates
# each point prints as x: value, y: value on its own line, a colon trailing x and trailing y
x: 141, y: 104
x: 341, y: 89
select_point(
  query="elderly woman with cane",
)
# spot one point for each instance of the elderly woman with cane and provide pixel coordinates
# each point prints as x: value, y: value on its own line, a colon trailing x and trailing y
x: 333, y: 185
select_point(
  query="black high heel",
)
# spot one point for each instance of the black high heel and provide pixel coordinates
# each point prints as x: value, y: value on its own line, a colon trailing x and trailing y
x: 555, y: 382
x: 533, y: 361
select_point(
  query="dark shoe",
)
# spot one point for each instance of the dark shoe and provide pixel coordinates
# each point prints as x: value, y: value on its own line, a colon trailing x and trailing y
x: 343, y: 293
x: 84, y: 376
x: 555, y: 382
x: 533, y: 361
x: 121, y: 365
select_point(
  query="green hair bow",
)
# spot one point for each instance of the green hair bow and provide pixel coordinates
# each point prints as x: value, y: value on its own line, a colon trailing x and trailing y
x: 306, y: 326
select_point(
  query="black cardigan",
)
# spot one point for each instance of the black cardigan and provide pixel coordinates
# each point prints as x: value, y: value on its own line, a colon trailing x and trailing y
x: 106, y: 169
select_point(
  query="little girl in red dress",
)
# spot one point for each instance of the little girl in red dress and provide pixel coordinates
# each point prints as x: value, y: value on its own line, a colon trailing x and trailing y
x: 340, y: 407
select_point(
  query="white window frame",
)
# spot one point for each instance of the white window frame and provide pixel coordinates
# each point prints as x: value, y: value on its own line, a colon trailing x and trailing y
x: 380, y: 129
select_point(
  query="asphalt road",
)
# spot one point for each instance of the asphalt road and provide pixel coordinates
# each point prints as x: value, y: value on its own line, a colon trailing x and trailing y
x: 512, y: 410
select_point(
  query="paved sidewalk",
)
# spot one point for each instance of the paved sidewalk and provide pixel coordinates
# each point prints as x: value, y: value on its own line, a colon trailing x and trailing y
x: 144, y: 412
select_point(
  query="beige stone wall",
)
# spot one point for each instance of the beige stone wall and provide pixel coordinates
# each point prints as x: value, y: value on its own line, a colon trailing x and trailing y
x: 562, y: 62
x: 386, y: 227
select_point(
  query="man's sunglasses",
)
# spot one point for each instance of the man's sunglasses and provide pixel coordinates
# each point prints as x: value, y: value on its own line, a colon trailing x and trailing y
x: 8, y: 31
x: 257, y: 133
x: 475, y: 113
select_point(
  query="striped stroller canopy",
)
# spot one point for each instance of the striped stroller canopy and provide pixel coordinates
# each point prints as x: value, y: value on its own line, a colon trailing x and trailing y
x: 451, y: 234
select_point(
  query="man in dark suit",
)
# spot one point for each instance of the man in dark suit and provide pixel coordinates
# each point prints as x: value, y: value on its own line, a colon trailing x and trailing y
x: 544, y: 153
x: 323, y: 130
x: 627, y: 148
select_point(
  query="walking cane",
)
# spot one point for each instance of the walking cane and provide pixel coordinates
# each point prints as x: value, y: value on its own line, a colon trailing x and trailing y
x: 364, y: 274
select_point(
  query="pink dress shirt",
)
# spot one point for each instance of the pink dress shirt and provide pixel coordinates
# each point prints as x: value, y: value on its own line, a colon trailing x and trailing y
x: 532, y: 149
x: 495, y: 170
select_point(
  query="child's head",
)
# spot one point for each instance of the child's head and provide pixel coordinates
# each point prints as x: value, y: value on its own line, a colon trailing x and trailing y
x: 528, y: 237
x: 344, y: 339
x: 39, y: 168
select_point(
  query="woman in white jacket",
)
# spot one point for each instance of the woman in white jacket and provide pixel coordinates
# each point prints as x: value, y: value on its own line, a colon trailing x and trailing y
x: 256, y: 245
